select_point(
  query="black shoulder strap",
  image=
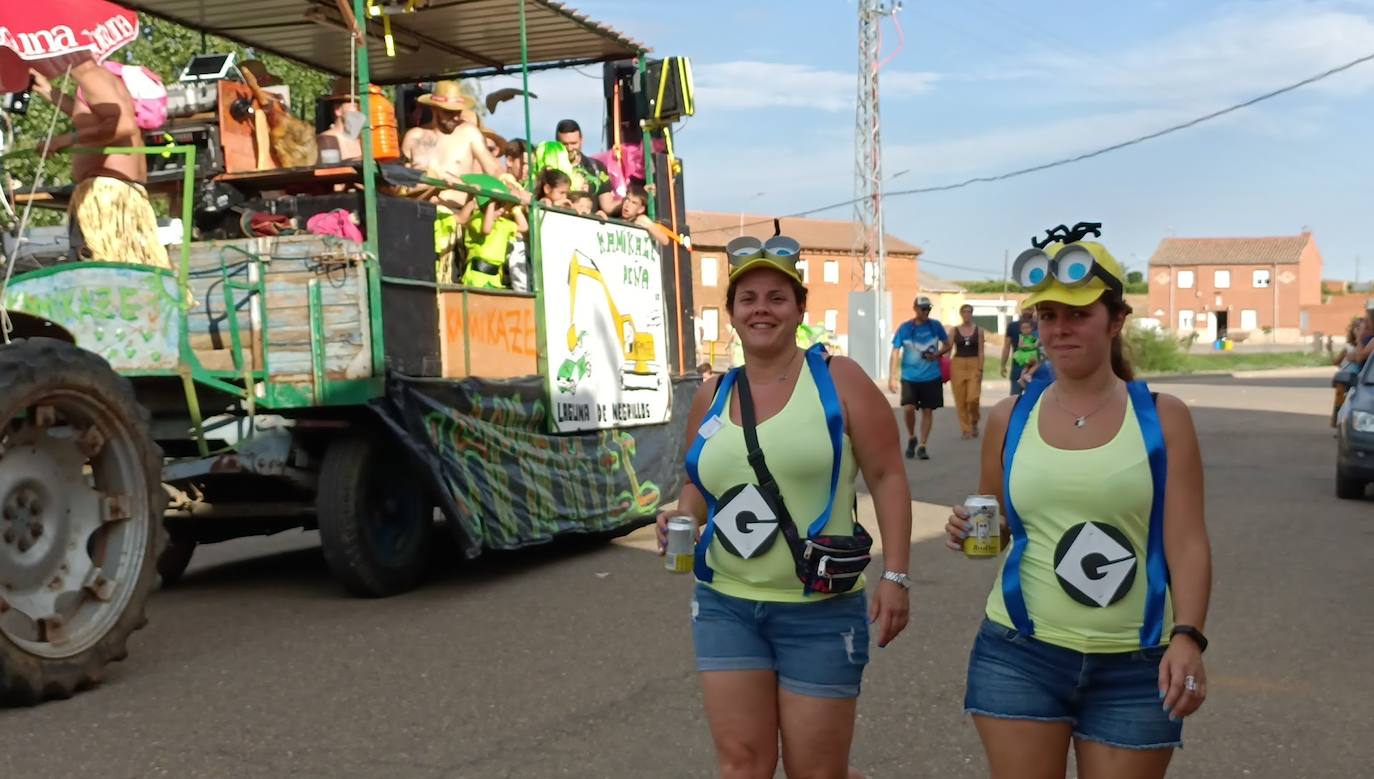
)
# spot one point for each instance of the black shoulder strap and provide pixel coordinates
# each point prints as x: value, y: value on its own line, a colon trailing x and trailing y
x: 767, y: 484
x: 749, y: 418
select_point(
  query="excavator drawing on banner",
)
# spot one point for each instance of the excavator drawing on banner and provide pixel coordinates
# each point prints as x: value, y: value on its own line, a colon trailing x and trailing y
x: 638, y: 371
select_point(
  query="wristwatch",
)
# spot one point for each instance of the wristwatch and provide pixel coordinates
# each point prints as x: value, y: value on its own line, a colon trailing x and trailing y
x: 899, y: 578
x: 1193, y: 633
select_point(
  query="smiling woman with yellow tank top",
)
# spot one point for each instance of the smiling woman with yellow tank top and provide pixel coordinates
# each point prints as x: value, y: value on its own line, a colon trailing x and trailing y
x: 779, y: 619
x: 1093, y: 630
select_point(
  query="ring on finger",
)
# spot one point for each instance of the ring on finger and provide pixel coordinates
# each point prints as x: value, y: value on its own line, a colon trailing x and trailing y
x: 1190, y: 683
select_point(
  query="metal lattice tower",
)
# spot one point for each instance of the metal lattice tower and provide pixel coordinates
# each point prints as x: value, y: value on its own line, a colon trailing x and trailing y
x: 868, y: 147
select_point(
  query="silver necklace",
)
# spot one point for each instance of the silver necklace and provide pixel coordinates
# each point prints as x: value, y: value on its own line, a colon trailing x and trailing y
x: 786, y: 370
x: 1080, y: 421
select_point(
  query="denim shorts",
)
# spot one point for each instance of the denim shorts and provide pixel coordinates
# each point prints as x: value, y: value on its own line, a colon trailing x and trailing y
x: 1109, y: 698
x: 818, y: 649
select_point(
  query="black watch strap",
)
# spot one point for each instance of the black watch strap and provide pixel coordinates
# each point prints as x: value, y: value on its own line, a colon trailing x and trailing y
x: 1190, y: 632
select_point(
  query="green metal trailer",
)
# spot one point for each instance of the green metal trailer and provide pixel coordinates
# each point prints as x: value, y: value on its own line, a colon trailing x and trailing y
x: 308, y: 381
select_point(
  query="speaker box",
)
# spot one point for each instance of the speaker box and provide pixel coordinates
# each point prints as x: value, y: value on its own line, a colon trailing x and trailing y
x: 410, y: 315
x: 668, y: 89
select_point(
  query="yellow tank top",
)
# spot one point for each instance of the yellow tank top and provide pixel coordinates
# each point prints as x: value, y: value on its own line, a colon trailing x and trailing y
x: 1087, y: 519
x: 799, y: 454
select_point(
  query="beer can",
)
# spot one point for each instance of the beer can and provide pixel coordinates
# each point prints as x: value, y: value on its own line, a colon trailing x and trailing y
x: 985, y: 538
x: 681, y: 543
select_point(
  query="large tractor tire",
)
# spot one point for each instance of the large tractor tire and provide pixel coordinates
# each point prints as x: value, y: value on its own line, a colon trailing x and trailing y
x: 375, y: 519
x: 171, y: 564
x: 81, y: 504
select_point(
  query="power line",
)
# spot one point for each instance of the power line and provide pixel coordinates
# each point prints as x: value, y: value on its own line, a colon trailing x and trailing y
x: 924, y: 261
x: 1081, y: 157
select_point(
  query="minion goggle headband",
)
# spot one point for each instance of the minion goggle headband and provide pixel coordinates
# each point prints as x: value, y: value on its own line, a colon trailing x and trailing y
x: 780, y: 252
x: 1073, y: 265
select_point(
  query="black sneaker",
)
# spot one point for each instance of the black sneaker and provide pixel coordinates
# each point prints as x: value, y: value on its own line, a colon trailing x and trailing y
x: 911, y: 448
x: 921, y: 453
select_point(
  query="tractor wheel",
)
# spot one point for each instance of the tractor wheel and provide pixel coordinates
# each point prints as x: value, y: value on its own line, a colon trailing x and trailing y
x: 374, y: 516
x: 171, y: 564
x: 81, y: 504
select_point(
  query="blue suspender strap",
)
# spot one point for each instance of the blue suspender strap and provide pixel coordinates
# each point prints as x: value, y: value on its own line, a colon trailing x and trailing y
x: 703, y: 572
x: 1156, y: 564
x: 834, y: 423
x: 1012, y: 595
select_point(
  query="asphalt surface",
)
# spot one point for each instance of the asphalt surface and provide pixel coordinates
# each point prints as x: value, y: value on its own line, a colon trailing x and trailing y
x: 575, y: 660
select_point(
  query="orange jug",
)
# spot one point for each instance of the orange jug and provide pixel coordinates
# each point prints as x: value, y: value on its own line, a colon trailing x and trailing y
x: 386, y: 139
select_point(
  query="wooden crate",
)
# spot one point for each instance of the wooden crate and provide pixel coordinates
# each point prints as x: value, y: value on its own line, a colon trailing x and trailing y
x: 287, y: 266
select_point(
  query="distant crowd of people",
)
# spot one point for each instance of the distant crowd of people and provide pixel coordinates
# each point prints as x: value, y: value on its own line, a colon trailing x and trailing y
x: 925, y: 356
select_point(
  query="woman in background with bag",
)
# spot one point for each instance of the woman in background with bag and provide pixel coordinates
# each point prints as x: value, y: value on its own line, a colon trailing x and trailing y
x: 779, y: 620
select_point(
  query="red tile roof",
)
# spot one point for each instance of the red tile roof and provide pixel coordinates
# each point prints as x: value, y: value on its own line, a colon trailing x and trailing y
x: 1283, y: 250
x: 714, y: 229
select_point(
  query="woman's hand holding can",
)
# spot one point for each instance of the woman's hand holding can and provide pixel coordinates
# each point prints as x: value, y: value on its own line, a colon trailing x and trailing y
x: 957, y: 528
x: 662, y: 526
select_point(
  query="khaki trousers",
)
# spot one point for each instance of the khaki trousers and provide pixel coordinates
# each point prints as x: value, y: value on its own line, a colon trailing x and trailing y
x: 966, y: 377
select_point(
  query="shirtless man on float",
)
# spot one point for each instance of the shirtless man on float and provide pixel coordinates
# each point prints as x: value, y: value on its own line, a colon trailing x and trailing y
x: 110, y: 216
x: 450, y: 147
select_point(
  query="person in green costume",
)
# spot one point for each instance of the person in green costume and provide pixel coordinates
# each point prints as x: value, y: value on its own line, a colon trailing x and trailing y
x: 1027, y: 354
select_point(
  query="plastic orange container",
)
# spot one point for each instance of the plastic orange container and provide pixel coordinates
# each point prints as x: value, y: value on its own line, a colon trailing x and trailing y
x: 386, y: 139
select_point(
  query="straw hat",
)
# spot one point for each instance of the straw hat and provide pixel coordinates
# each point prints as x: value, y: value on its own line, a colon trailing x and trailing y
x: 447, y: 96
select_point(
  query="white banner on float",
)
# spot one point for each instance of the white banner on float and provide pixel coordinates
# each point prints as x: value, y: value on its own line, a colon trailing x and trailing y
x: 604, y: 325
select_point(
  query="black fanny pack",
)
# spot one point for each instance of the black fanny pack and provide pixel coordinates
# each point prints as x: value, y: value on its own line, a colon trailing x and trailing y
x: 826, y: 564
x: 482, y: 266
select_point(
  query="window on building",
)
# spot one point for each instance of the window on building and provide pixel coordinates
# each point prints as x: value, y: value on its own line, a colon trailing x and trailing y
x: 1185, y: 279
x: 832, y: 319
x: 1260, y: 279
x: 710, y: 272
x: 1185, y: 319
x: 1249, y: 319
x: 1221, y: 279
x: 805, y: 270
x: 870, y: 273
x: 832, y: 272
x: 710, y: 324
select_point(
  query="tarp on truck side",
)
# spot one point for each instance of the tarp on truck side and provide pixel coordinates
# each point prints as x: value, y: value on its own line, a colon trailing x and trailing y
x: 509, y: 483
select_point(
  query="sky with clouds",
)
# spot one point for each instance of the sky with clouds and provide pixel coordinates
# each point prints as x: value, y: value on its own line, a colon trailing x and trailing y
x: 981, y: 87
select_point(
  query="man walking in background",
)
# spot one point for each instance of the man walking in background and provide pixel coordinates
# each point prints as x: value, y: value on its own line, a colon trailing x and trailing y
x: 917, y: 348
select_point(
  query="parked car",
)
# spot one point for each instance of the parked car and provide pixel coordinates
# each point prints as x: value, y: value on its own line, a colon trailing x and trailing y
x: 1355, y: 437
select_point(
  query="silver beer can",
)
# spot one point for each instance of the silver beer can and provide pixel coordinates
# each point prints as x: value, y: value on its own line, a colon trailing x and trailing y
x: 985, y: 540
x: 681, y: 544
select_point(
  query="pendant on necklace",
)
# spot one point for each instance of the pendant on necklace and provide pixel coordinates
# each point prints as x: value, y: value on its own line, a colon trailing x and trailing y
x: 1080, y: 421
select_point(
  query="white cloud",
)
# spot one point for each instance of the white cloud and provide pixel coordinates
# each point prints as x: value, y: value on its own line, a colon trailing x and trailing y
x: 1246, y: 51
x: 748, y: 85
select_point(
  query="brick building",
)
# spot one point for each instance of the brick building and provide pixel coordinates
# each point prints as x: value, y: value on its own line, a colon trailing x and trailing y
x: 831, y: 268
x: 1218, y: 286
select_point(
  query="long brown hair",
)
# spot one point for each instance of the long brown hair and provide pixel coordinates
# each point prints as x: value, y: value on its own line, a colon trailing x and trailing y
x: 1121, y: 364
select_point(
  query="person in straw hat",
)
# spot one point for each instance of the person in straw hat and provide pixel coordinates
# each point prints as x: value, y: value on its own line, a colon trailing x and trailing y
x: 449, y: 147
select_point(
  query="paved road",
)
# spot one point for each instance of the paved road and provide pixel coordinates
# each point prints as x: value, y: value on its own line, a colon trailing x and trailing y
x: 575, y: 661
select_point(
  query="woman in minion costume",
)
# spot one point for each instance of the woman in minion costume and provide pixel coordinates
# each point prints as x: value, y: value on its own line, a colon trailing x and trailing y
x: 1093, y: 630
x: 780, y: 620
